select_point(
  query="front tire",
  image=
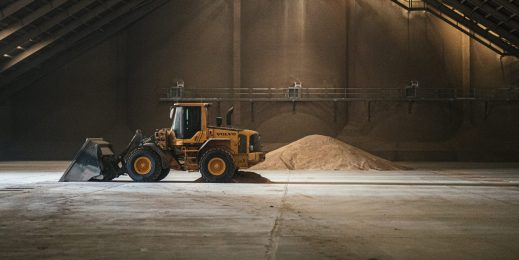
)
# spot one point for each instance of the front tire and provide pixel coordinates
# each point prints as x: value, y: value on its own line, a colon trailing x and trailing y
x: 217, y: 165
x: 143, y: 165
x: 163, y: 174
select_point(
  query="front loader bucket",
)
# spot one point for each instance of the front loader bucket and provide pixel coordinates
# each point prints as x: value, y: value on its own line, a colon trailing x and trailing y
x: 95, y: 161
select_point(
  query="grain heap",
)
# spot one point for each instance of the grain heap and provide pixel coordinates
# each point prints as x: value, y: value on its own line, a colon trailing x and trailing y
x: 317, y: 152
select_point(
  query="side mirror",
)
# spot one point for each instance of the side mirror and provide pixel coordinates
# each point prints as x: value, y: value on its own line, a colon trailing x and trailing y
x: 219, y: 121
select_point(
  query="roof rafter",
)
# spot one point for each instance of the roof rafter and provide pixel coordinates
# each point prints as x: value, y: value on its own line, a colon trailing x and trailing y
x: 97, y: 32
x: 13, y: 8
x: 481, y: 19
x: 62, y: 32
x: 45, y: 26
x: 51, y: 5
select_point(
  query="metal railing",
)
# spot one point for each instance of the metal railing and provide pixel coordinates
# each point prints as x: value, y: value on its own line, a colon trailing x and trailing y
x: 336, y: 94
x: 510, y: 93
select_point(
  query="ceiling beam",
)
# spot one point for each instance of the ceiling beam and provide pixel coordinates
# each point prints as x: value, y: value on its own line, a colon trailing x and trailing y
x: 472, y: 26
x: 504, y: 19
x: 507, y: 4
x: 26, y: 76
x: 59, y: 34
x: 44, y: 27
x: 483, y: 21
x: 51, y: 5
x: 13, y: 8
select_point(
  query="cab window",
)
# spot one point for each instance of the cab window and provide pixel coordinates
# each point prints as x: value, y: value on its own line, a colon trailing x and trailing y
x: 187, y: 122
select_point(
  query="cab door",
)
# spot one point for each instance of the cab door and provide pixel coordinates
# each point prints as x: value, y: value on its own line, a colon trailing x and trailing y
x: 187, y: 122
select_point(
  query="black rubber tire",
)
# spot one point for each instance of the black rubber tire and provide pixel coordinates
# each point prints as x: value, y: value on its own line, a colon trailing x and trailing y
x: 163, y: 174
x: 109, y: 169
x: 156, y: 168
x: 230, y: 168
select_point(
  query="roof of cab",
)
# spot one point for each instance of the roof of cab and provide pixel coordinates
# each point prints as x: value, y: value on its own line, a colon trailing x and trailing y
x: 192, y: 104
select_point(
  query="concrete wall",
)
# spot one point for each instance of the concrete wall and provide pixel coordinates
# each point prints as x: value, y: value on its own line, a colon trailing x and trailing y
x: 5, y: 129
x: 188, y: 40
x: 287, y: 41
x: 419, y: 46
x: 115, y: 87
x: 85, y: 98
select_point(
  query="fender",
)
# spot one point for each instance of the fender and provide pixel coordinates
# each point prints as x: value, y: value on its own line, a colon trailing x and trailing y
x: 212, y: 140
x: 163, y: 157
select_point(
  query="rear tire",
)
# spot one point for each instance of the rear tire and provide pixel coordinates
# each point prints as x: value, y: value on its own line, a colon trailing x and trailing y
x: 217, y: 165
x: 163, y: 174
x: 143, y: 165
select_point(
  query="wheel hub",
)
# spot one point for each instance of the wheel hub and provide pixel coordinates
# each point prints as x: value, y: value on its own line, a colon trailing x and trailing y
x: 142, y: 165
x: 217, y: 166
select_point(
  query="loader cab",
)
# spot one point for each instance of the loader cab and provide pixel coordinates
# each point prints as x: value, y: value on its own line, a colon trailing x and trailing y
x: 188, y: 119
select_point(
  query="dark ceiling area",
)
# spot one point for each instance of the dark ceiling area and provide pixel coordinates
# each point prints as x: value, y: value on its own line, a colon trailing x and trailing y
x: 31, y: 32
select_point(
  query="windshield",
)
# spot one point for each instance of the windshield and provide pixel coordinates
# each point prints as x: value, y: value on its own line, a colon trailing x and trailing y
x: 186, y: 122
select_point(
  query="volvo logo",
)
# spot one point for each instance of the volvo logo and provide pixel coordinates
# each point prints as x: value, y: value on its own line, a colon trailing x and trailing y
x: 225, y: 134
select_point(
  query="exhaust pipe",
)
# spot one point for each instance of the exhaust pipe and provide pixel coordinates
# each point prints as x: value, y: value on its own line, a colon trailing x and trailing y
x: 228, y: 116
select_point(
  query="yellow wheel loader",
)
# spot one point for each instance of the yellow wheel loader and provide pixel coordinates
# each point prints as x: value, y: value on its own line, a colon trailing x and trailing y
x: 190, y: 144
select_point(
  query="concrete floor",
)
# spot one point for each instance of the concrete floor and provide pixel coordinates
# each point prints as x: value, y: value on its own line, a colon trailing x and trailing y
x: 441, y: 211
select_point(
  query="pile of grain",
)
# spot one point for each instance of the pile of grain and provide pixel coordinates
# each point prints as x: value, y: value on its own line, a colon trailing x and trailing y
x: 317, y: 152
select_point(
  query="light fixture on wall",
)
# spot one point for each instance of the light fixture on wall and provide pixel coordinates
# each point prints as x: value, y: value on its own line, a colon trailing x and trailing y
x: 294, y: 90
x: 410, y: 89
x: 177, y: 90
